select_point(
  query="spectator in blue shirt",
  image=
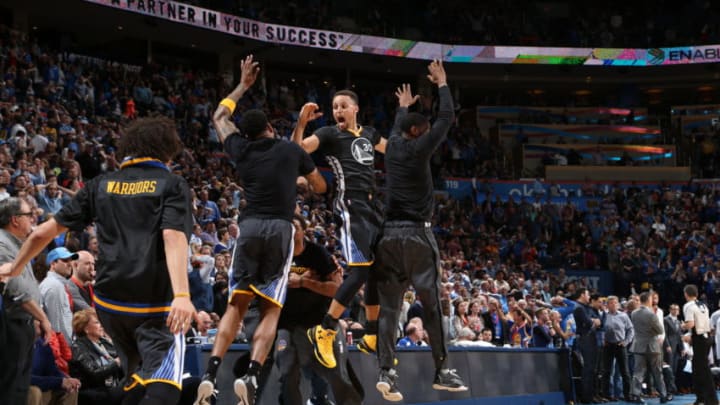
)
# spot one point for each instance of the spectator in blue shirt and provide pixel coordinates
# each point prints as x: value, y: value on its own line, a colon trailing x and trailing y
x: 414, y: 334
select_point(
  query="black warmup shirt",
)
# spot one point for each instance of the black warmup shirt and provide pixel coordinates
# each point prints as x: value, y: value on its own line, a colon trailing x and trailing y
x: 407, y: 162
x: 302, y: 306
x: 269, y: 169
x: 131, y: 208
x: 351, y: 156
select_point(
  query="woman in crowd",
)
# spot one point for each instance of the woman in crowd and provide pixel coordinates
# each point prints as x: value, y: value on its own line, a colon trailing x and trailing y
x: 475, y: 318
x: 460, y: 319
x: 95, y: 362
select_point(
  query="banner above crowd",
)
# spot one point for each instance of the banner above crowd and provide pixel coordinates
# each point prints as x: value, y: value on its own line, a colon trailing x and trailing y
x: 322, y: 39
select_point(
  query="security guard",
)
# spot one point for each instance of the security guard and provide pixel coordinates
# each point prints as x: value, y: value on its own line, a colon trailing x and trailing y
x: 697, y: 319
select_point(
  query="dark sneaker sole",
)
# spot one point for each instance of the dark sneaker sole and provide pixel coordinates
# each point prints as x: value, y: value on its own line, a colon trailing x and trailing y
x: 316, y: 352
x: 242, y: 392
x: 384, y: 389
x: 447, y: 388
x: 204, y: 393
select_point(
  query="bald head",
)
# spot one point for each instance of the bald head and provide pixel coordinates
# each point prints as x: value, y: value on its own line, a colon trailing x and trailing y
x: 84, y: 267
x: 204, y: 322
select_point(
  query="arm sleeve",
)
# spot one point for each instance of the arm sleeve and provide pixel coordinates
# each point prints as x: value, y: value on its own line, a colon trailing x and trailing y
x: 177, y: 208
x: 582, y: 320
x: 306, y: 163
x: 234, y: 143
x: 688, y: 313
x: 657, y: 326
x: 565, y: 311
x: 326, y: 136
x: 78, y: 212
x: 427, y: 144
x: 542, y: 332
x: 79, y: 302
x: 629, y: 331
x: 399, y: 115
x: 89, y: 366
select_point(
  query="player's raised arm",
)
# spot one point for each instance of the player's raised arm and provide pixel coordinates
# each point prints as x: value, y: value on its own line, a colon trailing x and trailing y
x: 249, y: 70
x: 405, y: 100
x: 308, y: 112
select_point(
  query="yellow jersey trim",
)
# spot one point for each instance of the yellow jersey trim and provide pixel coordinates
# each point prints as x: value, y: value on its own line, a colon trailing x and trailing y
x: 138, y: 160
x: 356, y: 133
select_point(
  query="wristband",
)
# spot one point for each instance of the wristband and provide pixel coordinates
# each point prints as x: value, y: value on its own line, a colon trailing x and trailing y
x: 229, y: 104
x: 178, y: 295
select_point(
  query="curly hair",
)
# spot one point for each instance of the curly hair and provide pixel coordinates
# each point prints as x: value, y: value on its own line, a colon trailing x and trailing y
x: 154, y: 137
x: 81, y: 319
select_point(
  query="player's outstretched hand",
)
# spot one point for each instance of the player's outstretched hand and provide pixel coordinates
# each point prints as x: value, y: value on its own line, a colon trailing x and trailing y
x: 437, y: 73
x: 405, y: 97
x: 309, y: 112
x: 249, y: 70
x: 182, y: 313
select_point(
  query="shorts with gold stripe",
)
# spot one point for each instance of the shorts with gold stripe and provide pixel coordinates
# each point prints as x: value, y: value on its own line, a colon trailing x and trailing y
x: 150, y: 353
x: 262, y: 259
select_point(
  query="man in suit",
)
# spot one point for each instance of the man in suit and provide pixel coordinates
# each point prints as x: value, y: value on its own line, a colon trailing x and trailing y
x: 588, y: 321
x: 673, y: 336
x: 647, y: 347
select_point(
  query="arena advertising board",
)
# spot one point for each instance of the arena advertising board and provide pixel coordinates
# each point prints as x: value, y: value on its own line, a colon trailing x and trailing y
x: 322, y: 39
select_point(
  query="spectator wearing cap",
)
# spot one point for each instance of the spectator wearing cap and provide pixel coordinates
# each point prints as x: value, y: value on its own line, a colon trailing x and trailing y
x: 55, y: 291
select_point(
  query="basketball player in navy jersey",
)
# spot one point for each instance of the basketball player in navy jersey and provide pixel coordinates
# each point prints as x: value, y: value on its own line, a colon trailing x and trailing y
x: 350, y: 150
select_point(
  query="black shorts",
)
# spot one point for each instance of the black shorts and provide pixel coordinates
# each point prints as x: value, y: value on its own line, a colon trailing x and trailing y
x: 359, y: 222
x: 262, y: 259
x: 406, y: 251
x: 150, y: 353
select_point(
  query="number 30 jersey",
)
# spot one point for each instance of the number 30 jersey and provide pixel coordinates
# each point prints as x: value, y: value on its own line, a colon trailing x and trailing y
x: 351, y: 156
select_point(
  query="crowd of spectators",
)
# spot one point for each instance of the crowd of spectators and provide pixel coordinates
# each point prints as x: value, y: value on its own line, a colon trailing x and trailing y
x: 61, y: 117
x: 642, y: 24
